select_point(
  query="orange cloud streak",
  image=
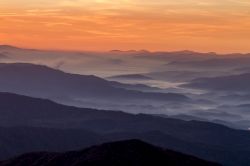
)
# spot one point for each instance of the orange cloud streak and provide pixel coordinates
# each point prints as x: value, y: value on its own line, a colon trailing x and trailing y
x: 105, y: 25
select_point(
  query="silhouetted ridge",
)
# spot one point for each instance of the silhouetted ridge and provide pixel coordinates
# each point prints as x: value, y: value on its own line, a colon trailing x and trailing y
x: 44, y: 82
x: 122, y: 153
x: 8, y: 47
x: 224, y: 83
x: 68, y: 126
x: 131, y: 76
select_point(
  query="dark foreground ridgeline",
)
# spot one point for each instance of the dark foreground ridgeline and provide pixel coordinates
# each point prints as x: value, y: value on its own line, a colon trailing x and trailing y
x: 123, y: 153
x: 32, y: 125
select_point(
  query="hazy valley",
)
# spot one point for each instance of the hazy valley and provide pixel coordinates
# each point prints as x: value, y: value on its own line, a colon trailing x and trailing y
x: 189, y: 102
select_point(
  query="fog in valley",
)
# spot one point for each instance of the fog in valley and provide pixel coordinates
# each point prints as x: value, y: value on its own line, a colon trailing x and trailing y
x: 184, y: 85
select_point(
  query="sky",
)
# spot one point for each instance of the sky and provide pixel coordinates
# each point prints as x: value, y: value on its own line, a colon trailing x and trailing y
x: 100, y: 25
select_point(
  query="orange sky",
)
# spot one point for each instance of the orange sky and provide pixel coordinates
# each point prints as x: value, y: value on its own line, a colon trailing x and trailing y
x: 201, y: 25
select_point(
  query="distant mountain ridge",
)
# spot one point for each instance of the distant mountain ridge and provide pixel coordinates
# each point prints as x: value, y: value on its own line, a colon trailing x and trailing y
x: 131, y: 76
x: 228, y: 83
x: 8, y: 47
x: 13, y: 48
x: 44, y: 82
x: 180, y: 52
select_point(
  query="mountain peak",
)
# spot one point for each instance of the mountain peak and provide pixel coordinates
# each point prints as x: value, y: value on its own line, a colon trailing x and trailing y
x: 8, y: 47
x: 129, y: 51
x: 122, y: 153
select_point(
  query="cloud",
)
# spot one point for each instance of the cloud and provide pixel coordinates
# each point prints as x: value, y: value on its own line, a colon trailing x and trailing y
x: 137, y: 24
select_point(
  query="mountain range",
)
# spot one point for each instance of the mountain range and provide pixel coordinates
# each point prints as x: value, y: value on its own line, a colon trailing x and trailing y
x: 30, y: 124
x: 55, y: 103
x: 230, y: 83
x: 45, y: 82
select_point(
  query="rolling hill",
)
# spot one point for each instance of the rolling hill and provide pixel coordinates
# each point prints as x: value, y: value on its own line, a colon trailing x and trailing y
x: 44, y: 82
x: 205, y: 140
x: 122, y: 153
x: 231, y: 83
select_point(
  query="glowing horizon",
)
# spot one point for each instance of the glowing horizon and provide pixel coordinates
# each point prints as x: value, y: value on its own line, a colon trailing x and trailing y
x: 99, y: 25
